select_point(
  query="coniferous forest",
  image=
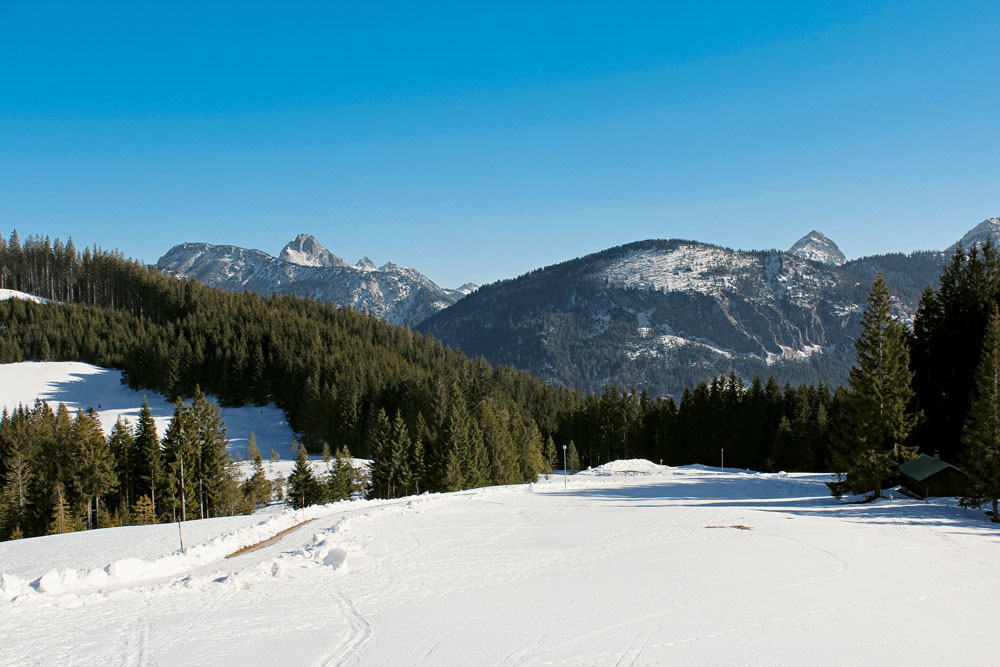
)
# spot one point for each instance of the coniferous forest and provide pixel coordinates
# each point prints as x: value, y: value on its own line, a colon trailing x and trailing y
x: 429, y: 417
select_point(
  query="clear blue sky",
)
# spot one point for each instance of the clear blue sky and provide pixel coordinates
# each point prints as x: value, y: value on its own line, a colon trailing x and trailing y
x: 479, y: 143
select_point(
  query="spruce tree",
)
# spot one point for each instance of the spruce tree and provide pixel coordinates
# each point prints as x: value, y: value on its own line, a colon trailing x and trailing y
x: 180, y: 454
x: 96, y: 472
x: 399, y: 450
x: 303, y: 488
x: 382, y: 466
x: 343, y: 479
x: 257, y: 487
x: 549, y: 456
x: 150, y: 476
x: 122, y: 446
x: 143, y: 513
x: 455, y: 442
x: 14, y: 498
x: 981, y: 433
x: 572, y: 457
x: 874, y: 423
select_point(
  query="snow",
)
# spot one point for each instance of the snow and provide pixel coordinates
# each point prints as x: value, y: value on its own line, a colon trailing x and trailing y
x: 81, y: 385
x: 7, y: 294
x: 674, y: 566
x: 688, y: 267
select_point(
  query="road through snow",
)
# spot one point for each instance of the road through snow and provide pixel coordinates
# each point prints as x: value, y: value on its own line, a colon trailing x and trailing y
x: 676, y: 566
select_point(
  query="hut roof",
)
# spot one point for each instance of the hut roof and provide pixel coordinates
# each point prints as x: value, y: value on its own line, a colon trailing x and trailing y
x: 923, y: 466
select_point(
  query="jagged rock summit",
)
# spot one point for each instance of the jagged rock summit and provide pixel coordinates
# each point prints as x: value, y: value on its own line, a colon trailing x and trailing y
x: 816, y: 247
x: 987, y: 229
x: 398, y: 294
x: 305, y: 250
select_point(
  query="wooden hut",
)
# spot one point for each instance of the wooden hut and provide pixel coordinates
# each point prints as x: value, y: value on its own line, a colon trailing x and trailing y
x: 926, y: 476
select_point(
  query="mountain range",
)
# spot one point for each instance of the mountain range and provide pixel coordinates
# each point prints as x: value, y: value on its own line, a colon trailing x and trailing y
x: 398, y: 294
x: 660, y: 314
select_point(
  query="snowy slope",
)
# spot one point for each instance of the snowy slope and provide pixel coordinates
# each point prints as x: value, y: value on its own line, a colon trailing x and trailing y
x: 632, y: 564
x: 81, y: 385
x: 816, y: 247
x: 987, y: 229
x: 6, y: 294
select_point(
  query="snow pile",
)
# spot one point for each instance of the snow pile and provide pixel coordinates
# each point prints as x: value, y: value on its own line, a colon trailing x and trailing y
x: 626, y: 467
x: 131, y: 570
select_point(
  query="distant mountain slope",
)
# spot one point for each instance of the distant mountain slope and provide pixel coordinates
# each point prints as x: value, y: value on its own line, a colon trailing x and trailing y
x: 398, y: 294
x: 667, y: 314
x: 817, y: 247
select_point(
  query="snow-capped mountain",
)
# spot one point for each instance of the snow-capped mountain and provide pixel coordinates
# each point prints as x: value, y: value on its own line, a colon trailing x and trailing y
x: 398, y: 294
x: 666, y: 314
x: 987, y: 229
x: 305, y: 250
x: 816, y: 247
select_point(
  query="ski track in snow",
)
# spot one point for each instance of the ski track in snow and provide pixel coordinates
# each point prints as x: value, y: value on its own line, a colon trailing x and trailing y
x: 634, y: 564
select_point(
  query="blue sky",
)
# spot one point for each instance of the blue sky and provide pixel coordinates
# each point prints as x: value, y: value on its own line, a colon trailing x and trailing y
x: 478, y: 143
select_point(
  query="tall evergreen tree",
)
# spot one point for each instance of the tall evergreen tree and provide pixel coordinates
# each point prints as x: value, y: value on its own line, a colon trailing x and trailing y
x: 180, y: 456
x: 96, y: 472
x: 122, y: 446
x: 303, y: 487
x: 981, y: 435
x: 873, y: 426
x: 382, y: 466
x: 149, y: 474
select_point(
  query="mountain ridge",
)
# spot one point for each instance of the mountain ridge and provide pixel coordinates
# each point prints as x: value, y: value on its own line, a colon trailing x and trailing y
x: 398, y: 294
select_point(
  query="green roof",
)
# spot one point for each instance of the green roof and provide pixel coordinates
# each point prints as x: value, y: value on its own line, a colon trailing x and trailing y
x: 923, y: 466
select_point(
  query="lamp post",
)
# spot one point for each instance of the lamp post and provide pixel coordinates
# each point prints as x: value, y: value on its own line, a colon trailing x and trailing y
x: 565, y: 471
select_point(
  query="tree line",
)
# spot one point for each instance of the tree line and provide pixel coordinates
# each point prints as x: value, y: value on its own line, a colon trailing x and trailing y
x: 62, y: 474
x: 433, y: 419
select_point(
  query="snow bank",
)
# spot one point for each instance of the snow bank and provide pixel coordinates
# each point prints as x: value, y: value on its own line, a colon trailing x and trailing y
x: 625, y: 467
x: 131, y: 570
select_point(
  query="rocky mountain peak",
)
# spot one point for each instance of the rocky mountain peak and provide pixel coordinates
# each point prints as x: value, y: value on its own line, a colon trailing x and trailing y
x: 366, y: 263
x: 987, y: 229
x: 305, y: 250
x: 816, y: 247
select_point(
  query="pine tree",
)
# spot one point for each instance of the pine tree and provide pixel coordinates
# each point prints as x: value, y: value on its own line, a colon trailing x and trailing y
x: 416, y: 462
x: 257, y: 487
x: 380, y: 446
x: 874, y: 423
x: 63, y: 520
x: 14, y: 499
x: 343, y: 479
x: 399, y: 449
x: 981, y: 434
x: 572, y: 457
x: 122, y: 446
x: 549, y: 456
x: 180, y: 454
x: 96, y: 472
x: 150, y: 476
x: 455, y: 445
x: 211, y: 450
x: 144, y: 514
x: 303, y: 488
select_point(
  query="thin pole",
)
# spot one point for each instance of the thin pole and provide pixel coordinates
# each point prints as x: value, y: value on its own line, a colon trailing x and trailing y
x: 565, y: 471
x: 722, y: 463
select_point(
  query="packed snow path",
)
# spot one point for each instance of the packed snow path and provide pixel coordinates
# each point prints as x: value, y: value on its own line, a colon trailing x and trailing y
x: 652, y: 566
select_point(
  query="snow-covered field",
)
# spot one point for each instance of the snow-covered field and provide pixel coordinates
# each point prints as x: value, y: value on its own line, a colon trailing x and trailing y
x: 80, y: 386
x: 631, y: 564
